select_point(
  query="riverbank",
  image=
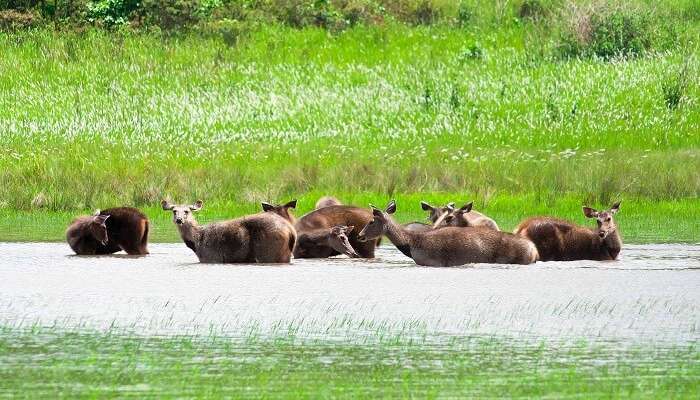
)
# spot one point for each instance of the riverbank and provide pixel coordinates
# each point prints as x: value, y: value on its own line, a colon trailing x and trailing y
x: 640, y: 221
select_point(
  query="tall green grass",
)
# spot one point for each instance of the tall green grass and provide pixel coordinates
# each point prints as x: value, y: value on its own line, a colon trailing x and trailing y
x: 94, y: 119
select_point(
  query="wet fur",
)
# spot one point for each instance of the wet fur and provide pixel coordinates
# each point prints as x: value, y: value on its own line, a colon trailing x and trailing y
x: 475, y: 219
x: 559, y: 240
x: 328, y: 217
x: 452, y: 246
x: 127, y: 229
x: 259, y: 238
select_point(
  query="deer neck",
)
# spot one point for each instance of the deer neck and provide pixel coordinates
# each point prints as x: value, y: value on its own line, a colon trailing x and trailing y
x: 613, y: 244
x: 399, y: 236
x: 190, y: 232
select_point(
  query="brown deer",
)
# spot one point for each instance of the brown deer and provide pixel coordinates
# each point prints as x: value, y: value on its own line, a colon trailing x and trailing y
x: 559, y: 240
x: 326, y: 201
x: 110, y: 231
x: 258, y: 238
x: 281, y: 210
x: 326, y: 218
x: 450, y: 246
x: 417, y: 226
x: 437, y: 213
x: 465, y: 216
x: 324, y: 242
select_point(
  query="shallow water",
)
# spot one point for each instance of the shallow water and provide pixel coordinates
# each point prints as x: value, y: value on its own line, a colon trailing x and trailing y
x: 652, y: 293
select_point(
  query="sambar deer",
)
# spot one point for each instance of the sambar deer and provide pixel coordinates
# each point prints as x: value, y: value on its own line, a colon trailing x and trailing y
x: 449, y: 246
x: 109, y: 231
x: 326, y: 218
x: 258, y: 238
x: 327, y: 201
x: 465, y: 216
x: 559, y: 240
x: 324, y: 242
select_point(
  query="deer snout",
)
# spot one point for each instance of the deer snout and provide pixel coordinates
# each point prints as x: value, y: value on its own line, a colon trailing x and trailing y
x: 178, y: 221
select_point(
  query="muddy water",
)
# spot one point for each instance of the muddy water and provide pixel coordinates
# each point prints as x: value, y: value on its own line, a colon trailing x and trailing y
x: 652, y: 293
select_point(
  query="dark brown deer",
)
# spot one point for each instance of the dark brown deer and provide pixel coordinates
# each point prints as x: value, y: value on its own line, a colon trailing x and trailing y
x: 325, y: 242
x: 559, y: 240
x: 281, y: 210
x: 326, y: 218
x: 326, y: 201
x: 110, y: 231
x: 464, y: 217
x: 259, y: 238
x: 450, y: 246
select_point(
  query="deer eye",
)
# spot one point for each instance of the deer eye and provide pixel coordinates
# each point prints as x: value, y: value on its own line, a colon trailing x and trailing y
x: 607, y: 220
x: 187, y: 211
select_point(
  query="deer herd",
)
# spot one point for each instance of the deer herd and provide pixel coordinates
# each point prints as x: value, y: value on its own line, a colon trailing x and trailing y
x: 455, y: 236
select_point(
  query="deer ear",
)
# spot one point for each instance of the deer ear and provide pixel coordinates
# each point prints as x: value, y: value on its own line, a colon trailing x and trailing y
x: 615, y: 207
x: 467, y: 207
x: 376, y: 212
x: 166, y: 205
x: 391, y: 207
x: 590, y: 212
x: 425, y: 206
x: 291, y: 204
x: 100, y: 219
x: 267, y: 206
x: 197, y: 205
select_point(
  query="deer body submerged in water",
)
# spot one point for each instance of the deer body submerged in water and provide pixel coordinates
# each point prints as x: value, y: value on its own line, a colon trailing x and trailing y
x: 450, y: 246
x: 109, y: 231
x: 313, y: 230
x: 559, y: 240
x: 258, y: 238
x: 464, y: 216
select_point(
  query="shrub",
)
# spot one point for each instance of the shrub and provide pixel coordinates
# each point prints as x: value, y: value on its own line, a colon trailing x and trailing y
x: 609, y: 31
x: 170, y: 14
x: 674, y: 89
x: 360, y: 11
x: 465, y: 14
x: 531, y: 10
x: 111, y: 12
x: 15, y: 19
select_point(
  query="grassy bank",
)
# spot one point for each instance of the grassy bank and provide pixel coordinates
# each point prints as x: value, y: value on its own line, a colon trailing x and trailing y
x: 51, y: 362
x: 95, y: 119
x: 640, y: 221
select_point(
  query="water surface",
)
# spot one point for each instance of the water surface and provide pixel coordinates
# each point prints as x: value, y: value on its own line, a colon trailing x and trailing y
x: 652, y: 293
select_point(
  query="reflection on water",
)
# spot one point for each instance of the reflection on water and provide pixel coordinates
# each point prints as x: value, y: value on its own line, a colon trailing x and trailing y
x: 653, y: 292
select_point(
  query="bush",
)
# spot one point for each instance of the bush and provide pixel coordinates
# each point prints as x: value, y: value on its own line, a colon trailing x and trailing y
x: 674, y: 89
x: 607, y: 32
x: 170, y: 14
x: 531, y: 10
x: 111, y: 12
x: 15, y: 19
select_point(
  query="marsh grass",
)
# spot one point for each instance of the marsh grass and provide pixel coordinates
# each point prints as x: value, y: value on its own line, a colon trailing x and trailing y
x: 95, y: 119
x: 640, y: 221
x: 69, y: 363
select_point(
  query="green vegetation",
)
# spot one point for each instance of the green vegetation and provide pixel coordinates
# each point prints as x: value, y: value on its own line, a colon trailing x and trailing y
x: 49, y: 362
x: 641, y: 221
x: 513, y: 106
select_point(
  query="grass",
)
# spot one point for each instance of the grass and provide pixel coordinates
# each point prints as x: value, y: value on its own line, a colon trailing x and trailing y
x: 640, y: 221
x: 370, y: 113
x: 51, y: 362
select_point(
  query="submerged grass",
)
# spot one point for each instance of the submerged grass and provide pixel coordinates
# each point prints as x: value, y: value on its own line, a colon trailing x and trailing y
x: 53, y: 362
x: 94, y: 119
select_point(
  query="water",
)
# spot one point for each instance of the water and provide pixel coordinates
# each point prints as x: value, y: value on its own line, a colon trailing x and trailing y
x: 652, y: 293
